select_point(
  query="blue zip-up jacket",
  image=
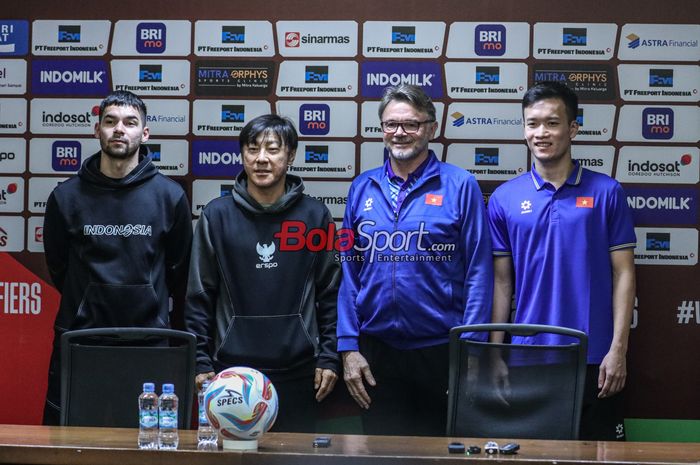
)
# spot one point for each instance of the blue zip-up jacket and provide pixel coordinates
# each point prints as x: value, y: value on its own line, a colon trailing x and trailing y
x: 440, y: 271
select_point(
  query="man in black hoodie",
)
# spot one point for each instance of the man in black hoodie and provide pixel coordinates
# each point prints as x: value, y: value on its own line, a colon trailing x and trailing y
x: 250, y: 299
x: 116, y: 236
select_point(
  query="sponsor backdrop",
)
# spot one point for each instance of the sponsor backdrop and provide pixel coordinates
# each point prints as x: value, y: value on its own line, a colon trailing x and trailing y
x: 206, y: 68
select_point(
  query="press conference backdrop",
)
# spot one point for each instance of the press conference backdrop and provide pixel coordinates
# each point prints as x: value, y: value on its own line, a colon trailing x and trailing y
x: 206, y: 68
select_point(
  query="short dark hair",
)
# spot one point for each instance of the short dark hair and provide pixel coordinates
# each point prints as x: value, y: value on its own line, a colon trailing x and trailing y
x: 124, y: 98
x: 413, y: 95
x: 281, y: 126
x: 552, y: 89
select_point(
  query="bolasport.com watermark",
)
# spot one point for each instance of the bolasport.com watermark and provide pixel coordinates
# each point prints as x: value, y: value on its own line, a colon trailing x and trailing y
x: 367, y: 245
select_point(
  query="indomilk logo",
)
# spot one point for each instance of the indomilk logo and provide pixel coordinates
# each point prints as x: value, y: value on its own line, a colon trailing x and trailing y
x: 490, y: 39
x: 124, y: 230
x: 153, y: 151
x: 316, y: 154
x: 68, y: 33
x: 65, y: 155
x: 488, y: 75
x: 232, y: 113
x: 316, y: 75
x: 150, y: 73
x: 150, y: 38
x: 486, y: 156
x: 574, y: 36
x: 658, y: 241
x: 657, y: 123
x: 403, y: 34
x: 660, y: 77
x: 232, y: 34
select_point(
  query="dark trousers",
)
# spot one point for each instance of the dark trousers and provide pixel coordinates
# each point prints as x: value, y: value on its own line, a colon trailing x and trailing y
x: 298, y: 409
x: 601, y: 419
x: 52, y: 405
x: 410, y: 398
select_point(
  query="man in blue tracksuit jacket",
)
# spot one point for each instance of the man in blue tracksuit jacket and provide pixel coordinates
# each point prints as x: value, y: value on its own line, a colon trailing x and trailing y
x: 420, y: 265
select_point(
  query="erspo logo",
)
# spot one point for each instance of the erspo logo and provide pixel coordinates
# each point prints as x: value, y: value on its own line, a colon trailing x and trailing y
x: 150, y: 38
x: 376, y: 75
x: 314, y: 119
x: 216, y: 158
x: 66, y: 155
x: 657, y: 123
x: 69, y: 77
x: 490, y: 40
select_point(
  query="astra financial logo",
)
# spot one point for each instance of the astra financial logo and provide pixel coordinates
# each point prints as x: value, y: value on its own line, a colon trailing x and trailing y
x: 150, y: 37
x: 316, y: 75
x: 314, y: 119
x: 69, y: 77
x: 316, y: 154
x: 657, y: 123
x: 633, y: 41
x: 68, y: 34
x: 488, y: 75
x: 574, y: 36
x: 232, y: 34
x: 660, y: 77
x: 154, y: 151
x: 658, y: 241
x: 458, y: 119
x: 403, y: 34
x: 150, y: 73
x: 232, y: 113
x: 486, y: 156
x: 65, y: 155
x: 490, y: 40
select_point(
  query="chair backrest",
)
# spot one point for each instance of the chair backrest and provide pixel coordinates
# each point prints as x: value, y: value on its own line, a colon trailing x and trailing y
x: 103, y: 371
x: 539, y: 398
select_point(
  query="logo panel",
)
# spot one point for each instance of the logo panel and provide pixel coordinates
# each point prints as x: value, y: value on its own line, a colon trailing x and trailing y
x: 11, y: 236
x: 225, y: 117
x: 488, y: 40
x: 678, y: 123
x: 155, y: 37
x: 168, y: 117
x: 11, y: 194
x: 667, y: 165
x: 666, y: 246
x: 70, y: 37
x: 665, y: 206
x: 418, y: 39
x: 216, y: 158
x: 671, y: 83
x: 14, y: 37
x: 488, y: 162
x: 229, y: 38
x: 566, y: 41
x: 13, y: 113
x: 589, y: 81
x: 234, y: 78
x: 484, y: 121
x: 317, y: 79
x: 13, y: 155
x: 69, y: 77
x: 317, y: 38
x: 660, y: 42
x: 152, y: 77
x: 377, y: 75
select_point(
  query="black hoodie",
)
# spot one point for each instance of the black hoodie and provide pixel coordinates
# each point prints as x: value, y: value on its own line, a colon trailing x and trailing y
x: 250, y: 303
x: 115, y: 248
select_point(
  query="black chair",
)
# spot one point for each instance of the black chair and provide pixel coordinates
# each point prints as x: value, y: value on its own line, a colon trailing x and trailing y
x: 103, y: 371
x: 546, y: 384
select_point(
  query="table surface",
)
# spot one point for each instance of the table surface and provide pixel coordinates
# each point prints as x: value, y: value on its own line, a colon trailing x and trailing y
x: 105, y: 446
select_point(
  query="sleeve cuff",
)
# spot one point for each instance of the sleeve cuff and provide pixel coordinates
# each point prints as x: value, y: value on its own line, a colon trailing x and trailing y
x: 348, y: 344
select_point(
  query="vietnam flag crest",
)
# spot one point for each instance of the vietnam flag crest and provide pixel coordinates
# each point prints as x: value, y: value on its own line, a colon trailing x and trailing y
x: 584, y: 202
x: 433, y: 199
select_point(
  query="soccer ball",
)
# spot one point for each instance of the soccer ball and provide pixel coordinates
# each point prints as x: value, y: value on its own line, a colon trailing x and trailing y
x: 241, y: 403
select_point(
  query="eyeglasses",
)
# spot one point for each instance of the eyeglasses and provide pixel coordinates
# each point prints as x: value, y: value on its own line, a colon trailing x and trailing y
x: 409, y: 127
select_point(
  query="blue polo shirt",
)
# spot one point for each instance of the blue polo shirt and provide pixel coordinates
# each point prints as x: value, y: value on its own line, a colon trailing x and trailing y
x: 560, y: 242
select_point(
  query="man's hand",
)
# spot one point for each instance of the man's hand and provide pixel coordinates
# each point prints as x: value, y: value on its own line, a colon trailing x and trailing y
x: 612, y: 373
x: 498, y: 374
x: 201, y: 378
x: 324, y: 382
x: 355, y: 368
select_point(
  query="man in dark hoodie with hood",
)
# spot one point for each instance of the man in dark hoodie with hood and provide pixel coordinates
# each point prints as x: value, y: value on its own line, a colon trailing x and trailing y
x: 253, y: 297
x: 116, y: 236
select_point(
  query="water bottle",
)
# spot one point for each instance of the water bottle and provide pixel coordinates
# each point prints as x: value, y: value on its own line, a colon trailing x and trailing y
x: 167, y: 416
x: 148, y: 417
x: 206, y: 435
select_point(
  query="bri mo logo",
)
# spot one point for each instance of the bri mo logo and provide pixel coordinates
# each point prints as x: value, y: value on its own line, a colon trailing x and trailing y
x: 150, y: 37
x: 490, y: 40
x: 657, y: 123
x: 65, y: 155
x: 314, y: 119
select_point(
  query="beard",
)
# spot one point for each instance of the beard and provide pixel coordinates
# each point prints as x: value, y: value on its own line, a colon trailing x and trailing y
x: 407, y: 154
x: 122, y: 152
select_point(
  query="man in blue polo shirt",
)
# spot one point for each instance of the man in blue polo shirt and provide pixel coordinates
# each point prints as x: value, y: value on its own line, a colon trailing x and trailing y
x: 421, y: 264
x: 568, y: 236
